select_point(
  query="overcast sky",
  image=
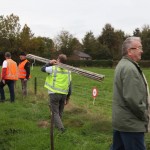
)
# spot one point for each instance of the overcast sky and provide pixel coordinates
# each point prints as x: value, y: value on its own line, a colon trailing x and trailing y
x: 49, y: 17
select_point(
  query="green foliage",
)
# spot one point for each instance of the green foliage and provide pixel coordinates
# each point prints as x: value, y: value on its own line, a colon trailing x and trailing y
x: 113, y: 39
x: 91, y: 63
x: 107, y: 45
x: 66, y: 43
x: 9, y: 32
x: 89, y: 44
x: 25, y: 39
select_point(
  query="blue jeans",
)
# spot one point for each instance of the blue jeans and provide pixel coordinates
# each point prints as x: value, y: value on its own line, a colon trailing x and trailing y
x: 10, y: 84
x: 128, y: 141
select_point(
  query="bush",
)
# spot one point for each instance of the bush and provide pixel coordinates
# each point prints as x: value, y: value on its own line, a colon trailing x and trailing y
x: 142, y: 63
x: 90, y: 63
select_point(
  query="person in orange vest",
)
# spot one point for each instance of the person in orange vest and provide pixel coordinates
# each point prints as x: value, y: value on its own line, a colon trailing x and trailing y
x: 9, y: 75
x: 24, y: 72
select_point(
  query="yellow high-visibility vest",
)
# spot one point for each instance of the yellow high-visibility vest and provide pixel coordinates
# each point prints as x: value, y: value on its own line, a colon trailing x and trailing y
x: 58, y: 81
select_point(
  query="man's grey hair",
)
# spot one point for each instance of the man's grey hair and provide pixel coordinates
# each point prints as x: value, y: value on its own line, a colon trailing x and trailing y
x: 127, y: 44
x: 62, y: 58
x: 8, y: 54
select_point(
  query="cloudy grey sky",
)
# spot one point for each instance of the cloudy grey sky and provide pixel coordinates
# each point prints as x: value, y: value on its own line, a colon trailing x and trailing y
x: 49, y: 17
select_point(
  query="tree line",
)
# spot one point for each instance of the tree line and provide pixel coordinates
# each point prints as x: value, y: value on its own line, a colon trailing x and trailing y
x: 107, y: 45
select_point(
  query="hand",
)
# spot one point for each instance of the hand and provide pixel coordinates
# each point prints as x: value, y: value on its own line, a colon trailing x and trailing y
x: 25, y: 79
x: 66, y: 102
x: 3, y: 81
x: 53, y: 62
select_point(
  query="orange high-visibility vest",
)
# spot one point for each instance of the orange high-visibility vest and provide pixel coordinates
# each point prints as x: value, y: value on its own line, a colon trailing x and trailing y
x: 22, y: 71
x: 12, y: 70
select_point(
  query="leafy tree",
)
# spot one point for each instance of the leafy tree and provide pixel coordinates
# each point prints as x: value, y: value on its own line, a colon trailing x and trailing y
x: 137, y: 32
x: 89, y: 44
x: 119, y: 38
x: 42, y: 46
x: 76, y: 45
x: 145, y: 36
x: 9, y: 33
x: 112, y: 39
x: 25, y: 38
x: 107, y: 37
x: 48, y: 50
x: 102, y: 52
x: 64, y: 42
x: 9, y: 26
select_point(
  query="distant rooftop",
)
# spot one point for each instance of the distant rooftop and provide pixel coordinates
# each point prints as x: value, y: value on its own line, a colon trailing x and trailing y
x: 81, y: 54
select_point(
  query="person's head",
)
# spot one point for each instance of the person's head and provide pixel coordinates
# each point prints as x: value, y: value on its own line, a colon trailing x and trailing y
x: 132, y: 48
x: 62, y: 58
x: 22, y: 55
x: 7, y: 55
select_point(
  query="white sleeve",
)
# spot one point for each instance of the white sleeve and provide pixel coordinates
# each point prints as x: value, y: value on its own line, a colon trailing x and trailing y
x: 49, y: 69
x: 4, y: 64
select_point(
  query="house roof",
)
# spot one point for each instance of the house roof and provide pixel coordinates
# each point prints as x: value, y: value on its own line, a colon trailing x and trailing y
x: 82, y: 54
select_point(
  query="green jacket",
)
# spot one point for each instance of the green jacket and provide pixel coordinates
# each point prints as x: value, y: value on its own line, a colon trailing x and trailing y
x: 130, y: 98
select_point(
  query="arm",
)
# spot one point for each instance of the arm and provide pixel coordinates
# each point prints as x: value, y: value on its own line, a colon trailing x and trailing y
x: 4, y: 70
x: 43, y: 69
x: 69, y: 94
x: 27, y: 68
x: 51, y: 63
x: 134, y: 93
x: 4, y: 73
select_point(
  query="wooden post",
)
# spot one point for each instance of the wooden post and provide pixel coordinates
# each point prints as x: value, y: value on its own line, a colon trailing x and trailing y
x: 35, y: 86
x: 52, y: 130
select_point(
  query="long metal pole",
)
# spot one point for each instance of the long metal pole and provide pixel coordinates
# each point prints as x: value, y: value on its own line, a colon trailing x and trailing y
x: 89, y: 74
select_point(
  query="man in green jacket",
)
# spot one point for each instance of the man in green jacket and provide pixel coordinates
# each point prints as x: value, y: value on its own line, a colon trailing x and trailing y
x: 130, y: 99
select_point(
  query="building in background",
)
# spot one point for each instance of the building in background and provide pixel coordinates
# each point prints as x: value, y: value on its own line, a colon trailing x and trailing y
x: 78, y: 55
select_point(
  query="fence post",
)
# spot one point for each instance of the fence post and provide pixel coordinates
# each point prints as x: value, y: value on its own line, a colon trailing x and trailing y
x: 35, y: 86
x: 51, y: 130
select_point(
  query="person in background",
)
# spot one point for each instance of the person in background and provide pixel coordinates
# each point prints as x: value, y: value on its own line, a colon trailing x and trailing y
x: 58, y: 83
x: 130, y: 115
x: 9, y: 75
x: 24, y: 72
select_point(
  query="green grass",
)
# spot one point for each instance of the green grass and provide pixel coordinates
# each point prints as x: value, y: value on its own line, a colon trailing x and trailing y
x: 88, y: 126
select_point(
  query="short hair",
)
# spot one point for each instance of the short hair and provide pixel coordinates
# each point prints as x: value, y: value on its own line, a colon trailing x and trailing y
x: 22, y: 54
x: 62, y: 58
x: 128, y: 44
x: 8, y: 54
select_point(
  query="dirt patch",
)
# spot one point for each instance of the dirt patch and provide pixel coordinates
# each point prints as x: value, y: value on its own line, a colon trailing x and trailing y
x: 43, y: 124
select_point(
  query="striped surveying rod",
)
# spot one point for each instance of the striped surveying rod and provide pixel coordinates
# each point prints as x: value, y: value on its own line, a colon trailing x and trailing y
x: 82, y: 72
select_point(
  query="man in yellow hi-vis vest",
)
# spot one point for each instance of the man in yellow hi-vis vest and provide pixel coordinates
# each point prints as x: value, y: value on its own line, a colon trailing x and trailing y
x: 58, y: 83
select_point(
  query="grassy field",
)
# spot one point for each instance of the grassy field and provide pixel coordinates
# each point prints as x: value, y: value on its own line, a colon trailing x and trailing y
x: 25, y: 124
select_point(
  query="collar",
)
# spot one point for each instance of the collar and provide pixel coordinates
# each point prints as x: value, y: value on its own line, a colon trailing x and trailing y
x: 135, y: 63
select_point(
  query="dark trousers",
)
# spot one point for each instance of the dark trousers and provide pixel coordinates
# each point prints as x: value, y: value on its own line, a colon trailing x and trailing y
x: 128, y: 141
x: 57, y: 106
x: 10, y: 84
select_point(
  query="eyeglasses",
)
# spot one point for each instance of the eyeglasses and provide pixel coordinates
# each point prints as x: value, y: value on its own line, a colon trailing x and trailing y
x: 139, y: 48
